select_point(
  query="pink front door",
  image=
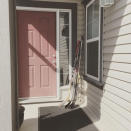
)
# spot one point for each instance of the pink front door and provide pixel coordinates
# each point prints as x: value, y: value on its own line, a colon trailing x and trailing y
x: 37, y: 53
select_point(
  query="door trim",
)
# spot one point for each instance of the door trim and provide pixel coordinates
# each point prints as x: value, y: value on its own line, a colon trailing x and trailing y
x: 51, y: 98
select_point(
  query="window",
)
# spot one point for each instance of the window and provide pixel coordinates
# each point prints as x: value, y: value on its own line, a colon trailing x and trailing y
x: 65, y: 47
x: 93, y: 66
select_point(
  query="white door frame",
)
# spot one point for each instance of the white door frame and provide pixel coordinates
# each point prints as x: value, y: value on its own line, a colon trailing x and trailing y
x: 51, y: 98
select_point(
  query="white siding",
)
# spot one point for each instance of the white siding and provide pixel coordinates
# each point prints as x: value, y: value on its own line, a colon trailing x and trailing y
x: 113, y: 104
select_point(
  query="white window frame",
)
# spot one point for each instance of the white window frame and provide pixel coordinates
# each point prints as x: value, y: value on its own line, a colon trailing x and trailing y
x: 93, y: 40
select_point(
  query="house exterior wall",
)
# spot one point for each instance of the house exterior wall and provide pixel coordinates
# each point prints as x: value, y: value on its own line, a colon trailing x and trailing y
x: 113, y: 104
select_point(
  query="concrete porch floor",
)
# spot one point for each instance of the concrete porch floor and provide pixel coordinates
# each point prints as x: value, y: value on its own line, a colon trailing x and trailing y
x: 32, y: 114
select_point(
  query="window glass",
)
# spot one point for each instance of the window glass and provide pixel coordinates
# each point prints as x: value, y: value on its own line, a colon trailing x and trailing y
x: 92, y: 58
x: 89, y: 30
x: 89, y: 21
x: 93, y: 20
x: 90, y: 14
x: 96, y: 10
x: 95, y: 24
x: 64, y: 17
x: 64, y: 48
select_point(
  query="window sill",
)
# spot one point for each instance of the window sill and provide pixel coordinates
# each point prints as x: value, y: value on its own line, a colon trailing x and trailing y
x: 96, y: 83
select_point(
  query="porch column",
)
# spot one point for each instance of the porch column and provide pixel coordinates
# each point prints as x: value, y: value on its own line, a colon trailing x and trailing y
x: 7, y: 79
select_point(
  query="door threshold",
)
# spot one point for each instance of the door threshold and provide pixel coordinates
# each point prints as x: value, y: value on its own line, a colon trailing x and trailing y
x: 38, y: 100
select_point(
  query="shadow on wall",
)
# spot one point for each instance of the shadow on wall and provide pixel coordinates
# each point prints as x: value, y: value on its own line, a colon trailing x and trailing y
x: 94, y: 97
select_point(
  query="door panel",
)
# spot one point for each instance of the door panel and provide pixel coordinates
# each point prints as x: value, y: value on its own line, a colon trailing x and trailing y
x: 36, y: 48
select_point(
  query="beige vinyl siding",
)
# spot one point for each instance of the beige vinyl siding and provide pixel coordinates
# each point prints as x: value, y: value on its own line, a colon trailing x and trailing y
x: 120, y: 58
x: 119, y: 40
x: 113, y: 104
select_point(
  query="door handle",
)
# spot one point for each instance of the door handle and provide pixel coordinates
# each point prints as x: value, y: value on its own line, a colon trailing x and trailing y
x: 54, y: 56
